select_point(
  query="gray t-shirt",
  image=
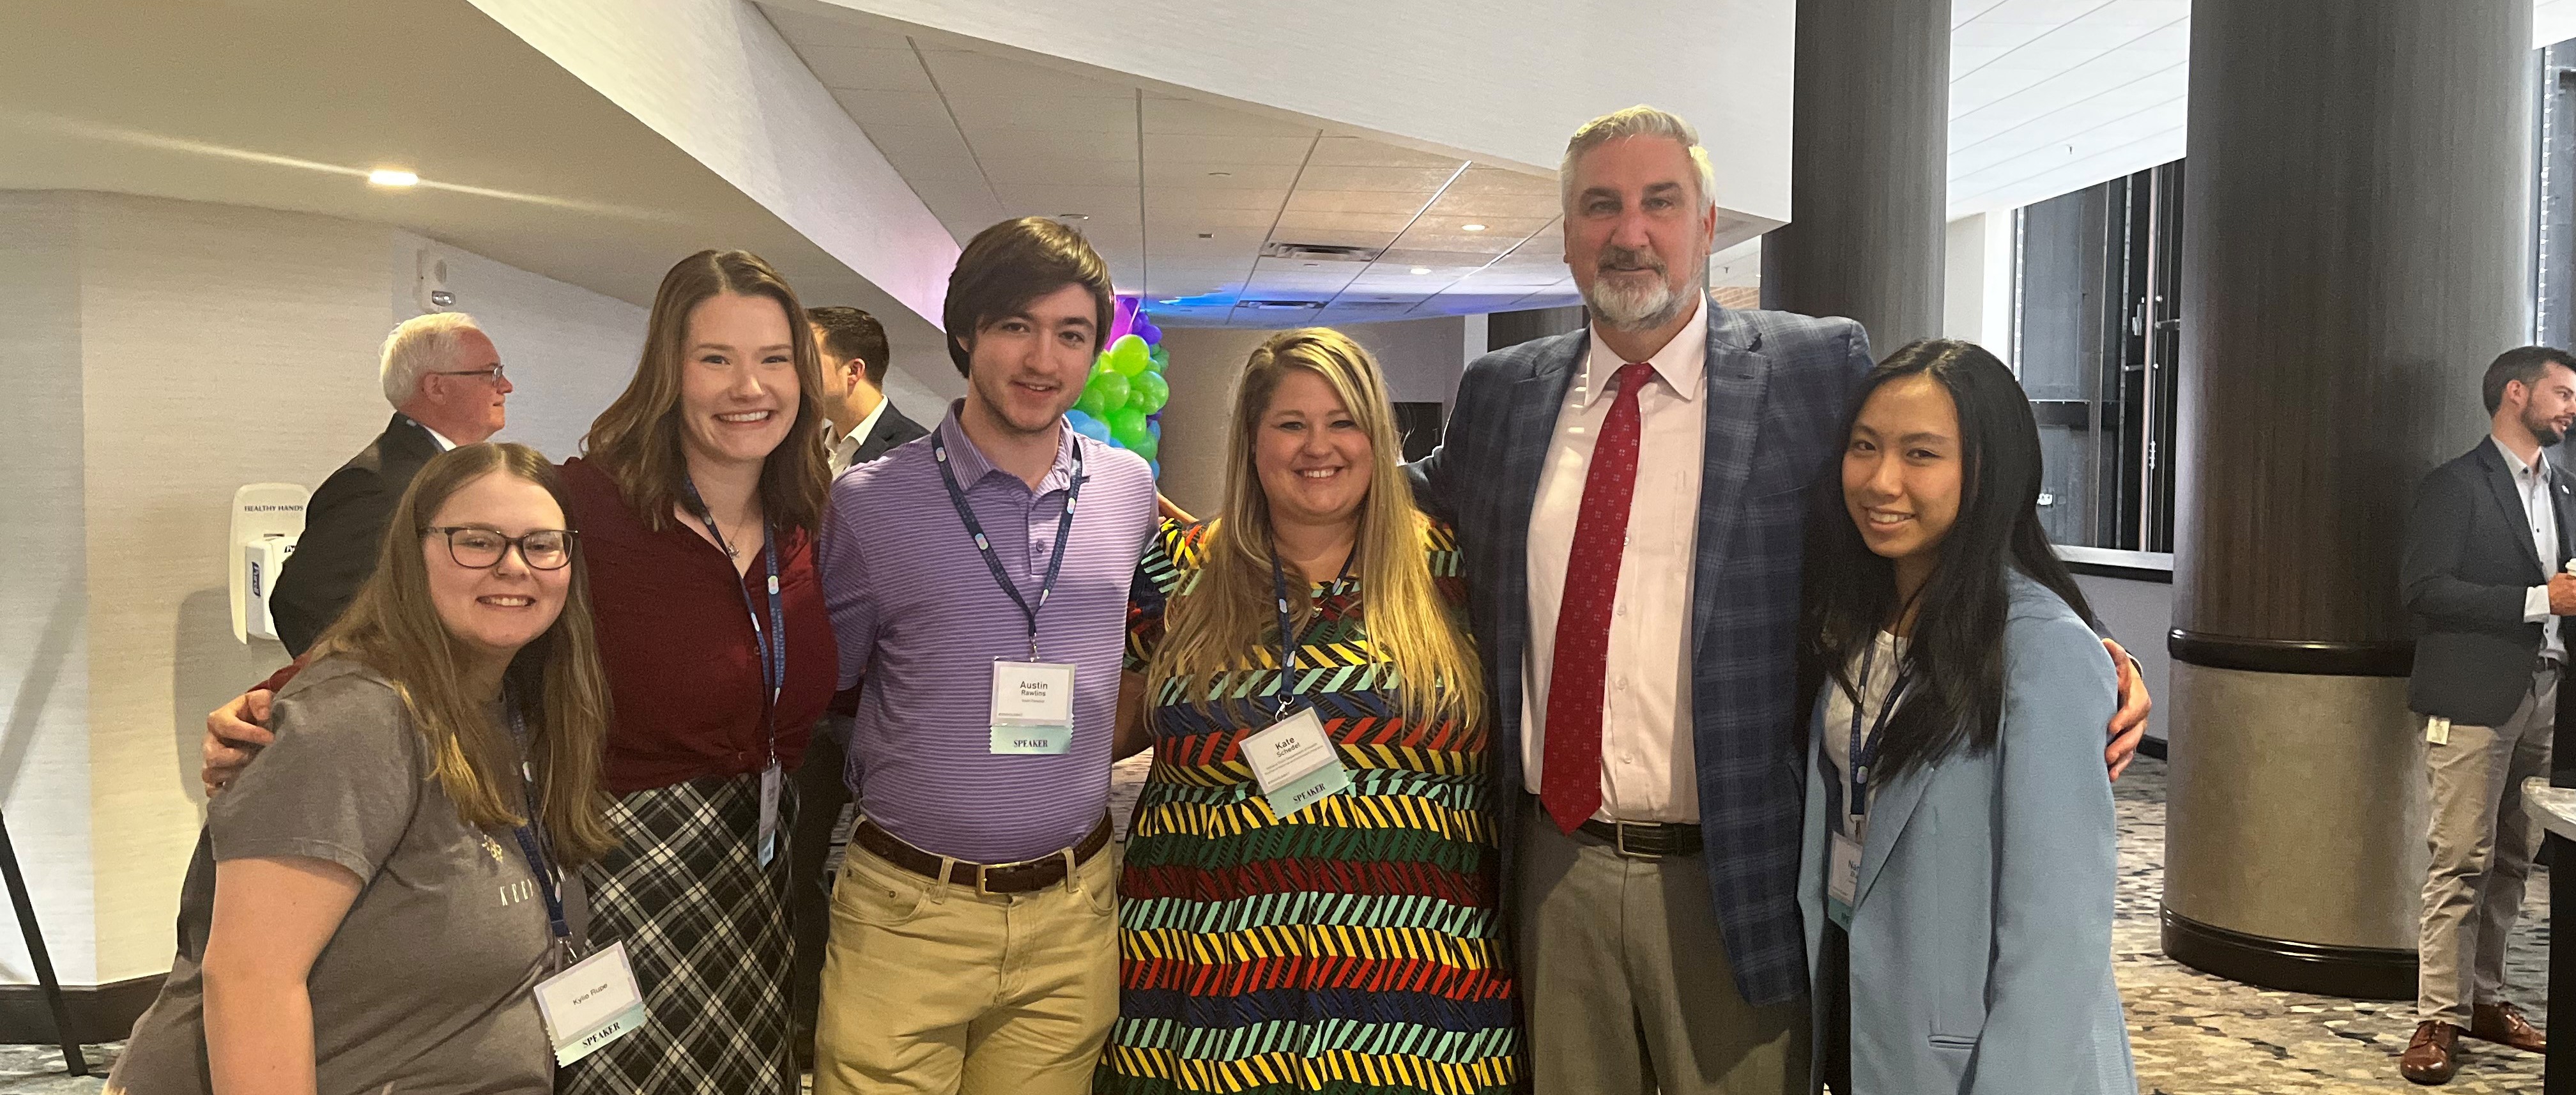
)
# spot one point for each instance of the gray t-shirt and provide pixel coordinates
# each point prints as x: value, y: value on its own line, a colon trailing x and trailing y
x: 427, y: 987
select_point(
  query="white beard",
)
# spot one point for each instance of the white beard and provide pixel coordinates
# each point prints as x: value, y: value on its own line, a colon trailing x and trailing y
x: 1643, y: 308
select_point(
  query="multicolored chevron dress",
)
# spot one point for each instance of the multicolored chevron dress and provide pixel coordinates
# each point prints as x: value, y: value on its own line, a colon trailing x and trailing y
x: 1353, y: 947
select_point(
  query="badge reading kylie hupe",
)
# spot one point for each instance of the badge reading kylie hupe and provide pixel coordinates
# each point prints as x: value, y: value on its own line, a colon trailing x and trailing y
x: 591, y: 1004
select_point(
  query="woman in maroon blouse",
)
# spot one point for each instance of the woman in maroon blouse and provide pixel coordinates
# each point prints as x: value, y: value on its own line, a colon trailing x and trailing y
x: 701, y: 481
x: 698, y: 494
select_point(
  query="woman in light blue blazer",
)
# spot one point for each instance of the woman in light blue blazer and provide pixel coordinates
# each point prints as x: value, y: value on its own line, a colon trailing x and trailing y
x: 1957, y: 877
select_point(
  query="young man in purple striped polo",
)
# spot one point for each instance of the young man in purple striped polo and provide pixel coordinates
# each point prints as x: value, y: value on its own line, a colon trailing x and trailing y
x: 978, y: 580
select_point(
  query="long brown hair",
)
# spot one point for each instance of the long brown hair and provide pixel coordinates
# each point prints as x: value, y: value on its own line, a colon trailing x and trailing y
x: 555, y: 682
x: 637, y: 439
x: 1229, y: 609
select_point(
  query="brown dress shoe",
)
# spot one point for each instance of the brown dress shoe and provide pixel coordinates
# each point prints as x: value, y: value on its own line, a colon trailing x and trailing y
x: 2428, y: 1057
x: 2504, y: 1025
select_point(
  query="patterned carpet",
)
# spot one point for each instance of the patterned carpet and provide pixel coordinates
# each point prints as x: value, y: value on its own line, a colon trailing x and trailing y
x: 2194, y: 1034
x: 2198, y: 1035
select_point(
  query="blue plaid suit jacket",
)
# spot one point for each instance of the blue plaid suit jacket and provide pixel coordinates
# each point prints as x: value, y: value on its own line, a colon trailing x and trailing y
x: 1778, y: 387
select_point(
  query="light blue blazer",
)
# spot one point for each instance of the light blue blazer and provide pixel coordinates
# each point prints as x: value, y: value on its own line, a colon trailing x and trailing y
x: 1981, y: 941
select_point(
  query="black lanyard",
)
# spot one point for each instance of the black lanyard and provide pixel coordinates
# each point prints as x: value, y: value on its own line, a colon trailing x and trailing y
x: 1864, y: 752
x: 1289, y: 638
x: 771, y: 640
x: 984, y: 546
x: 531, y: 841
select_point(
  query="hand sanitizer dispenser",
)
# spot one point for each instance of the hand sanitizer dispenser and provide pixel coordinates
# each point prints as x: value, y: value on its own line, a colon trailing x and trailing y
x: 267, y: 517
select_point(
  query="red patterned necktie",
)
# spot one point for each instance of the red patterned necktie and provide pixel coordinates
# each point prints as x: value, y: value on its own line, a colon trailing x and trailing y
x: 1570, y: 779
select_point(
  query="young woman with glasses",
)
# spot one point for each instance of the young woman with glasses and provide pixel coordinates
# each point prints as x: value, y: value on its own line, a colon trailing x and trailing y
x: 370, y: 908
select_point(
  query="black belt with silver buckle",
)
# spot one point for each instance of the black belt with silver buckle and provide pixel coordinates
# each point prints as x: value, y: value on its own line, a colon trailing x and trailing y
x: 1646, y: 839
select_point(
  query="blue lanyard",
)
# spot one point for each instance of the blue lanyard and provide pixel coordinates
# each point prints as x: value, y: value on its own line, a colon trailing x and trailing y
x: 984, y: 545
x: 1289, y: 638
x: 1864, y: 752
x: 530, y: 843
x: 771, y: 640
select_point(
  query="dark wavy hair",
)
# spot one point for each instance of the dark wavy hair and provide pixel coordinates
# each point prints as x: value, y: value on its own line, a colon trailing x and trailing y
x: 1956, y: 651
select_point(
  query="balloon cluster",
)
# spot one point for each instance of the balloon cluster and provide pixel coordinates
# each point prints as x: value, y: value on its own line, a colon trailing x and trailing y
x: 1122, y: 405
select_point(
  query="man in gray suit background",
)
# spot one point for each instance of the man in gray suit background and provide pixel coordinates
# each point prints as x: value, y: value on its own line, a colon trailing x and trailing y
x: 2483, y: 577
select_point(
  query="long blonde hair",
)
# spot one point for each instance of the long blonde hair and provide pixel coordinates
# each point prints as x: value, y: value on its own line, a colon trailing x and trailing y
x: 1228, y: 609
x: 555, y: 682
x: 637, y: 439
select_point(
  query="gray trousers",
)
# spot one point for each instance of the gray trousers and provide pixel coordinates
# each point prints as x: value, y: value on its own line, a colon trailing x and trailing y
x: 2482, y: 844
x: 1626, y: 979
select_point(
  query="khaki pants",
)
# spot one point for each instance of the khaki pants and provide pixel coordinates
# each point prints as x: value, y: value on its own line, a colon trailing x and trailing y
x: 1626, y: 979
x: 2482, y: 845
x: 933, y: 988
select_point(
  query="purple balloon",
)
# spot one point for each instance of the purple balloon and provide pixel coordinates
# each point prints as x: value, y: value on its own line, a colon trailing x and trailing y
x: 1146, y: 330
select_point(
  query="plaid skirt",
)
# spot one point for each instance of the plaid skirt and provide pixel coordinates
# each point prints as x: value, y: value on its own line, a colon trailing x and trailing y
x: 705, y: 927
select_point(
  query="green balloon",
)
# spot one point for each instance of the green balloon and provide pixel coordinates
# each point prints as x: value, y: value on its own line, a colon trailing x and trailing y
x: 1128, y: 355
x: 1112, y: 389
x: 1127, y: 424
x: 1090, y: 402
x: 1158, y: 359
x: 1146, y: 447
x: 1150, y: 392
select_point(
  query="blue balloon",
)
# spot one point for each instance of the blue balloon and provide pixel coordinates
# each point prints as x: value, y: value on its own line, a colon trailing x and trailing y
x: 1155, y: 467
x: 1154, y: 426
x: 1087, y: 426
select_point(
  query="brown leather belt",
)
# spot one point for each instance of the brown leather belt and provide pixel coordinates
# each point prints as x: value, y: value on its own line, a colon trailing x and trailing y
x: 1021, y: 877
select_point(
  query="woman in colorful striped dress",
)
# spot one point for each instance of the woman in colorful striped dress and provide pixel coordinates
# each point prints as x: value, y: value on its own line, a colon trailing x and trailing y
x: 1309, y: 927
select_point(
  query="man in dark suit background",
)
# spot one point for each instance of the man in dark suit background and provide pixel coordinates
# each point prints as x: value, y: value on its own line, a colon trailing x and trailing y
x: 2483, y: 578
x: 864, y: 422
x: 865, y: 425
x: 1630, y: 501
x: 443, y: 377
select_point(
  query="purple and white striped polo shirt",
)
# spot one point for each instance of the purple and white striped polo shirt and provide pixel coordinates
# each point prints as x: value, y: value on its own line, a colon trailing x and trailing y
x: 919, y: 615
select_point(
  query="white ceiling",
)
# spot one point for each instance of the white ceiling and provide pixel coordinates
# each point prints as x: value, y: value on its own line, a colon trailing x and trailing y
x: 284, y: 104
x: 2051, y: 96
x: 1181, y: 195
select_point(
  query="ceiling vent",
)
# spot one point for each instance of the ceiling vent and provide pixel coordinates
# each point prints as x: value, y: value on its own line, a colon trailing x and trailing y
x: 1319, y: 252
x: 1290, y: 305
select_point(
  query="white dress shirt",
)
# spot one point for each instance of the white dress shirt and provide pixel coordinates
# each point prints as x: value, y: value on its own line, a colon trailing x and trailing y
x: 2540, y: 511
x: 444, y: 445
x: 1648, y: 769
x: 842, y: 450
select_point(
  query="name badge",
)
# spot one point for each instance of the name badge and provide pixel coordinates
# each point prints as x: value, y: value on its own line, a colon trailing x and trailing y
x: 2438, y: 729
x: 769, y: 782
x: 1842, y: 880
x: 590, y: 1005
x: 1032, y: 708
x: 1296, y: 763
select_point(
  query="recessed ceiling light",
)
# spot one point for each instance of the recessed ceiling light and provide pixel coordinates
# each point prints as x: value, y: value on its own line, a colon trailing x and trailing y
x: 387, y: 176
x: 1471, y: 228
x: 1422, y: 269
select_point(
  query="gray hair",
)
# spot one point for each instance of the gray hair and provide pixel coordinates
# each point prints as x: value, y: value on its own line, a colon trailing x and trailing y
x: 1637, y: 121
x: 419, y: 345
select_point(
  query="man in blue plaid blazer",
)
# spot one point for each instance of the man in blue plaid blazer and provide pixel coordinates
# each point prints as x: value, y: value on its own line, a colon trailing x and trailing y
x: 1654, y: 903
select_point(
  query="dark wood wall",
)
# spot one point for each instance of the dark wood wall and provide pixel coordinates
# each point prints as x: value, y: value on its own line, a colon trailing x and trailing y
x: 1868, y: 169
x: 2354, y: 253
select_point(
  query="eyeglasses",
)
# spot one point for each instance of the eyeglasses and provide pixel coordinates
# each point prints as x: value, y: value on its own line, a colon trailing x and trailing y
x: 491, y: 375
x: 482, y: 548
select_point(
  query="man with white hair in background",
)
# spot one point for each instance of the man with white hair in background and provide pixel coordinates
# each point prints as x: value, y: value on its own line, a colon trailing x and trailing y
x: 1629, y: 499
x: 443, y: 377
